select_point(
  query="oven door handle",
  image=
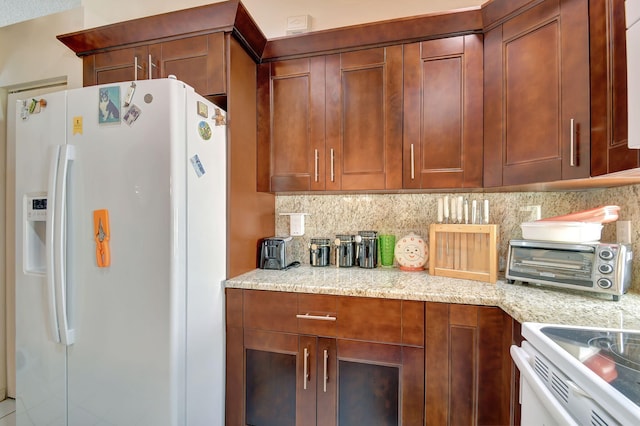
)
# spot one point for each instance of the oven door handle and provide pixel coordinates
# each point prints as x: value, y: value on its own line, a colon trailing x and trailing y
x: 555, y: 409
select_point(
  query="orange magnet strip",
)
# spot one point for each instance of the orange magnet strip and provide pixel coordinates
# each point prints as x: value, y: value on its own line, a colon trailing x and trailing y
x: 102, y: 235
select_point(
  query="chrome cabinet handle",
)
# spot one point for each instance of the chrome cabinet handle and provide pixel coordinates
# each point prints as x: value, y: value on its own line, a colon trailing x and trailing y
x: 413, y: 167
x: 316, y: 317
x: 326, y: 371
x: 151, y: 67
x: 315, y: 162
x: 136, y: 67
x: 306, y: 368
x: 332, y: 160
x: 572, y: 142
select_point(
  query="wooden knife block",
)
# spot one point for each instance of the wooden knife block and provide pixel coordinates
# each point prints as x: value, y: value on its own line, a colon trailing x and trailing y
x: 464, y: 251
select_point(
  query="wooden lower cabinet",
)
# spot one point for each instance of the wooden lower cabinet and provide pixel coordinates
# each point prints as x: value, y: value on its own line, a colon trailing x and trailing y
x: 467, y: 365
x: 297, y: 378
x: 302, y: 359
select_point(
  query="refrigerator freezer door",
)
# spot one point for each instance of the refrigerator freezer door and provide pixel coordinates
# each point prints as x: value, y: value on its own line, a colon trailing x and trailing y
x: 40, y: 360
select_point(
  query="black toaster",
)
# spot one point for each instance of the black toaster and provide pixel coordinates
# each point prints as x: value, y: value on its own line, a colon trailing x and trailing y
x: 273, y: 253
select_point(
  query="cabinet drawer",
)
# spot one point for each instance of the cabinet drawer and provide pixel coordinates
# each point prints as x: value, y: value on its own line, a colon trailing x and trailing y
x: 317, y: 315
x: 270, y: 310
x: 371, y: 319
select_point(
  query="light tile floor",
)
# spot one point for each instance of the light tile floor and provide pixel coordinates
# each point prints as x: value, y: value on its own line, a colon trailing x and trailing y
x: 8, y: 412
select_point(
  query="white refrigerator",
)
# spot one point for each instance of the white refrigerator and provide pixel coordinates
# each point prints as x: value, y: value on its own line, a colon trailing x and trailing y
x: 120, y: 256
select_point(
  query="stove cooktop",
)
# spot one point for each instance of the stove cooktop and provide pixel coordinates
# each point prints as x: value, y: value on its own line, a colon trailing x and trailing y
x: 612, y: 355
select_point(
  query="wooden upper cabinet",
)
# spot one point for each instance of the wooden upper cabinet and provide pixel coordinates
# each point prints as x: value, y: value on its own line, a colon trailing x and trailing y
x: 364, y: 119
x: 291, y: 124
x: 198, y: 61
x: 537, y: 114
x: 332, y: 122
x: 443, y: 113
x: 193, y: 44
x: 609, y: 151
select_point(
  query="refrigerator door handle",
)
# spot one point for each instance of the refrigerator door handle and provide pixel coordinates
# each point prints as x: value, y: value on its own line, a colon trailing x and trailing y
x: 59, y: 242
x: 51, y: 201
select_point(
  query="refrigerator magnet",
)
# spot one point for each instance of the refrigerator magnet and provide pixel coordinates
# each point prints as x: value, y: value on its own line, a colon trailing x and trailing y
x: 109, y: 105
x: 197, y: 165
x: 77, y: 125
x: 205, y: 130
x: 102, y: 236
x: 132, y: 114
x: 203, y: 109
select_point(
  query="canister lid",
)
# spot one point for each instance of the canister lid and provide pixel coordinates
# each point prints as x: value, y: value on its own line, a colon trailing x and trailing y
x: 368, y: 234
x: 320, y: 241
x: 345, y: 238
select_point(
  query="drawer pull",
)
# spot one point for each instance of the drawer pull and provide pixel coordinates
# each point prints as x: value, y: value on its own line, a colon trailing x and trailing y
x: 316, y: 317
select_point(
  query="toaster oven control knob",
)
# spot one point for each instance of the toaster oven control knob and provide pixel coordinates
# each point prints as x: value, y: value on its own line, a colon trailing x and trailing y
x: 606, y: 254
x: 604, y: 283
x: 605, y: 268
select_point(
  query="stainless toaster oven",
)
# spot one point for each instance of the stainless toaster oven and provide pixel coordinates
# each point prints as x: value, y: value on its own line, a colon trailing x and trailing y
x: 595, y: 267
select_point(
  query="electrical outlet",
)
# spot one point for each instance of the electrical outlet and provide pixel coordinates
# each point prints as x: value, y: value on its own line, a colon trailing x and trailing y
x: 534, y: 212
x: 623, y: 232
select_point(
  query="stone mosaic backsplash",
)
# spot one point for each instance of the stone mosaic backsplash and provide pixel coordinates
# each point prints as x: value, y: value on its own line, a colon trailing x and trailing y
x: 400, y: 214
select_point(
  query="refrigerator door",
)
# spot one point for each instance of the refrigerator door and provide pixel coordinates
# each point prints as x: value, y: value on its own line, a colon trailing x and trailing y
x: 206, y: 261
x: 126, y: 366
x: 40, y: 360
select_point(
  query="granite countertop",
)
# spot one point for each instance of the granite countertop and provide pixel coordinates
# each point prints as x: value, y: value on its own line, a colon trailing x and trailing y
x: 525, y: 303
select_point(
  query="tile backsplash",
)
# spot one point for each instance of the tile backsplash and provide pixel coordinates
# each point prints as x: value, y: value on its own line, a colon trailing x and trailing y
x: 400, y: 214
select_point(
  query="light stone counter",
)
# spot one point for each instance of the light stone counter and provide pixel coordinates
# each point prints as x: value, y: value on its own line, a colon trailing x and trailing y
x: 523, y: 302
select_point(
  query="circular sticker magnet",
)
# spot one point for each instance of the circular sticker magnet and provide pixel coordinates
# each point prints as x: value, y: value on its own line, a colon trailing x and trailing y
x: 205, y: 130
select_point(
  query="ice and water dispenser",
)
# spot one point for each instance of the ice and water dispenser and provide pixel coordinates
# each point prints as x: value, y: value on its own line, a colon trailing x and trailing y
x: 35, y: 233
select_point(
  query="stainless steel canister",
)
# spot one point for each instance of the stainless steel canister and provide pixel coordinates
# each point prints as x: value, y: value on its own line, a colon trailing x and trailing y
x: 367, y: 249
x: 345, y: 251
x: 319, y: 252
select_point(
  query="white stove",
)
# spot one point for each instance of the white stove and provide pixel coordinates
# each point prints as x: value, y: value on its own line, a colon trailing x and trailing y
x: 578, y: 375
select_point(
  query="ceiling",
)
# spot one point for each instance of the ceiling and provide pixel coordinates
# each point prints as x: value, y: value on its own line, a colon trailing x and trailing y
x: 270, y: 15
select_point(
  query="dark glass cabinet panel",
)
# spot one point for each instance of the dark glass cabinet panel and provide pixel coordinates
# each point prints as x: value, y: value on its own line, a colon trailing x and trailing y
x: 368, y: 394
x: 270, y: 389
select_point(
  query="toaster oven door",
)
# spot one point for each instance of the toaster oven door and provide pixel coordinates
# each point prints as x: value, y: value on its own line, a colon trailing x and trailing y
x: 570, y: 264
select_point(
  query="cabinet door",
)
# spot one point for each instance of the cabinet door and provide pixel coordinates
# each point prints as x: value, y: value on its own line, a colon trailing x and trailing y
x: 537, y: 116
x: 280, y: 379
x: 609, y: 137
x: 379, y: 384
x: 291, y: 123
x: 364, y: 119
x: 467, y: 366
x: 115, y: 66
x: 443, y: 113
x: 198, y: 61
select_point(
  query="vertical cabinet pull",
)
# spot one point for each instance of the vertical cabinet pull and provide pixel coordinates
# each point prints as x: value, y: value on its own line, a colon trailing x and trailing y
x: 315, y: 163
x: 326, y: 371
x: 413, y: 167
x: 572, y: 144
x: 151, y: 67
x: 136, y: 67
x: 332, y: 159
x: 306, y: 368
